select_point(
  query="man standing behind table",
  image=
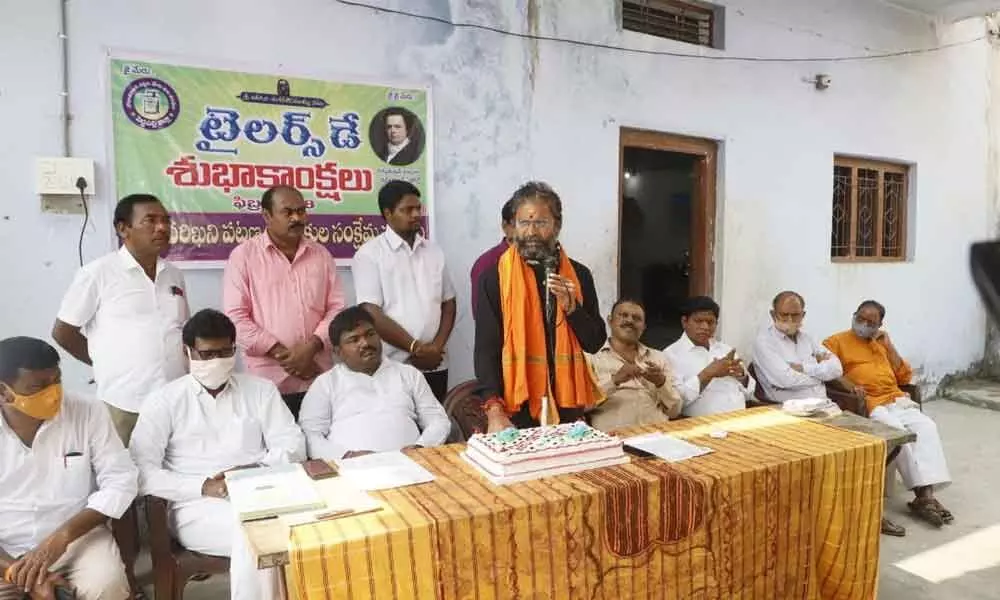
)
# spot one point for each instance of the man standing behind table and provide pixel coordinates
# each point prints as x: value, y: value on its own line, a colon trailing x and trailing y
x: 400, y: 278
x: 368, y: 403
x: 492, y: 256
x: 123, y: 313
x: 281, y: 290
x: 789, y: 363
x: 195, y: 429
x: 518, y: 359
x: 63, y: 474
x: 635, y: 378
x: 712, y: 379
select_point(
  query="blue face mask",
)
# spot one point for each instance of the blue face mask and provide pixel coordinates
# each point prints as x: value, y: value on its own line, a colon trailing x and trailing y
x: 864, y: 330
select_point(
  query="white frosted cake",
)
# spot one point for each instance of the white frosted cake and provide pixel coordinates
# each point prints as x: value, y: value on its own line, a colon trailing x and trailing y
x: 522, y: 454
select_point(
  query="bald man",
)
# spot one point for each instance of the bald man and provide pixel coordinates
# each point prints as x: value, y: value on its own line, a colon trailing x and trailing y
x: 789, y: 363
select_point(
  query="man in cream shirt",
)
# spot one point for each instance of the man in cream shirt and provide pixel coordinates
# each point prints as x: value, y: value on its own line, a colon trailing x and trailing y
x: 198, y: 427
x: 710, y: 377
x: 123, y: 313
x: 789, y: 363
x: 63, y: 474
x: 368, y: 403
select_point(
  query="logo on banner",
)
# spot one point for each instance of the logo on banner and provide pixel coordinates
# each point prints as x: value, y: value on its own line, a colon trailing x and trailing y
x: 151, y: 103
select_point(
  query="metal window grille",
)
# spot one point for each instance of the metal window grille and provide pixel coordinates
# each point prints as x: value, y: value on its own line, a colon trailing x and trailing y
x: 671, y: 19
x: 869, y: 211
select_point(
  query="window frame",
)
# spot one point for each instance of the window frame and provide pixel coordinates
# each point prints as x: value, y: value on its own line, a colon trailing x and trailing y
x: 716, y: 23
x: 881, y: 167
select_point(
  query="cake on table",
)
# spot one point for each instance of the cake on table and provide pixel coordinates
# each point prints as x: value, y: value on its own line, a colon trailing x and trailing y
x: 522, y: 454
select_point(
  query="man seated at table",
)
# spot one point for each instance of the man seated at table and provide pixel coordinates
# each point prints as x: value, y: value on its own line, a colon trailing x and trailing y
x: 874, y: 371
x: 789, y: 363
x: 63, y: 473
x: 635, y: 378
x: 711, y: 378
x: 367, y: 403
x: 198, y: 427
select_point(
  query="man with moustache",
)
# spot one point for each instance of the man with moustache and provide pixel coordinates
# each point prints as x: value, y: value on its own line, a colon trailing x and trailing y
x: 636, y: 379
x: 368, y: 403
x: 874, y: 371
x: 123, y: 313
x: 281, y: 290
x: 400, y: 277
x: 530, y: 372
x: 790, y: 364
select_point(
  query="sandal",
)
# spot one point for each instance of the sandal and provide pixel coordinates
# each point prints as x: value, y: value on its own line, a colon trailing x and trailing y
x: 946, y: 515
x: 890, y: 528
x: 923, y: 508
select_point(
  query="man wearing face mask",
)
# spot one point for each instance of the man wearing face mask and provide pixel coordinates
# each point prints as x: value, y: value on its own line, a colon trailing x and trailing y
x: 874, y: 370
x: 637, y: 380
x: 194, y: 430
x: 281, y: 289
x: 530, y: 370
x: 789, y: 363
x: 368, y: 403
x: 63, y: 473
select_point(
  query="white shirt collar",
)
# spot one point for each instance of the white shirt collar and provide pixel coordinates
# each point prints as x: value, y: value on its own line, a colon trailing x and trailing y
x: 393, y: 149
x: 396, y: 241
x: 131, y: 263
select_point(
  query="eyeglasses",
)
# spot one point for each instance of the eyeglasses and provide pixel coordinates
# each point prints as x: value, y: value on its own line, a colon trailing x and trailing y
x: 540, y: 224
x: 211, y: 354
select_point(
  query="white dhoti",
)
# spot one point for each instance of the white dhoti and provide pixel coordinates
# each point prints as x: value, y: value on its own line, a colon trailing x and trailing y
x: 92, y: 565
x: 209, y: 526
x: 920, y: 463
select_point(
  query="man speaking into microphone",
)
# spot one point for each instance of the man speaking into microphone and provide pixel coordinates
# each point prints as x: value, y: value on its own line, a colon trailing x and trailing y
x: 530, y: 360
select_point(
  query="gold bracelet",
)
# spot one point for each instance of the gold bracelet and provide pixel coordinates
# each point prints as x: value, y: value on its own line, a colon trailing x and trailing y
x: 413, y: 344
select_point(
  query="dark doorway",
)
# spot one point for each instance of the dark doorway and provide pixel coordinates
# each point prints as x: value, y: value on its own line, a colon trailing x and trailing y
x: 667, y: 208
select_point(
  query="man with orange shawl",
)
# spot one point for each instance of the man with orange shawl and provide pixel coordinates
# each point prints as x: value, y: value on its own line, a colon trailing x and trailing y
x: 530, y: 372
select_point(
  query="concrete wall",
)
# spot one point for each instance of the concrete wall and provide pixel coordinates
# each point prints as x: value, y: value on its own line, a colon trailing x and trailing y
x: 509, y: 109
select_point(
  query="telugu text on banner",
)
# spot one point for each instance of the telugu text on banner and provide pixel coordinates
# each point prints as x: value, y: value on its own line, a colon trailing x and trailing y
x: 208, y: 143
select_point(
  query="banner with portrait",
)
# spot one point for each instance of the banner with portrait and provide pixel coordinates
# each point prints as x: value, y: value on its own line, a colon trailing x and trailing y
x: 208, y: 143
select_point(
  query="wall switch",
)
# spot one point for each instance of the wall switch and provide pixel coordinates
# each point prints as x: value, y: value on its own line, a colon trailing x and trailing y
x: 57, y: 176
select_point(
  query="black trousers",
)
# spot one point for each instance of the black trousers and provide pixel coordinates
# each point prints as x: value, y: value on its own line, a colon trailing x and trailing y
x: 294, y: 403
x: 438, y: 380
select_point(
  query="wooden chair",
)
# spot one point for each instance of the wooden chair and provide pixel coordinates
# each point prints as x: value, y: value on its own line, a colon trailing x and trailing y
x: 759, y: 393
x: 173, y: 565
x: 464, y: 405
x: 849, y: 402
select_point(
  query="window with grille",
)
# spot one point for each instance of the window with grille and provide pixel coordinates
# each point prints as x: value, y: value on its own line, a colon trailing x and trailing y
x: 679, y: 20
x: 869, y: 210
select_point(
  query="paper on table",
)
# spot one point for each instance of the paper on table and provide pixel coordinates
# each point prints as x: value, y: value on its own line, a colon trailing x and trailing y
x: 666, y: 446
x: 383, y: 471
x: 270, y: 491
x: 343, y: 499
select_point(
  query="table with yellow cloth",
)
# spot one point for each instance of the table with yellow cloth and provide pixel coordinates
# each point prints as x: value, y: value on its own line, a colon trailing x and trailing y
x: 783, y: 508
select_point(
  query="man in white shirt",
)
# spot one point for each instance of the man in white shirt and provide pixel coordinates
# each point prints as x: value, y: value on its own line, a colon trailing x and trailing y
x: 401, y: 279
x: 123, y: 313
x: 710, y: 377
x: 63, y: 474
x: 368, y: 403
x: 195, y: 429
x: 637, y: 381
x: 789, y: 363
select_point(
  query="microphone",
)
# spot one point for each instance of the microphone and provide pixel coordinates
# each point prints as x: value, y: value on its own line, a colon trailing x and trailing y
x: 551, y: 265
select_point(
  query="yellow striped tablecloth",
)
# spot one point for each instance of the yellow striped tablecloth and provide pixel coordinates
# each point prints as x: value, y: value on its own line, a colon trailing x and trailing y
x: 783, y: 508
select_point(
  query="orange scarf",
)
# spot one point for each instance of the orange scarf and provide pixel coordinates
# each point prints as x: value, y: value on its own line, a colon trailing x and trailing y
x: 525, y: 367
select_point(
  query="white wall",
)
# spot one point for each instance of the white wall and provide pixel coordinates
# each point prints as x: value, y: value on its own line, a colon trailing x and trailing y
x: 508, y: 110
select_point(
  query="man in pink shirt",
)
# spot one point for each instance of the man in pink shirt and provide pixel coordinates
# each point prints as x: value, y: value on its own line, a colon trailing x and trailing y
x: 282, y: 290
x: 492, y: 256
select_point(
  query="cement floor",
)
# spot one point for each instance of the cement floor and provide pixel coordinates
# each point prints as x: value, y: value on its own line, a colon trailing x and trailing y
x: 960, y: 562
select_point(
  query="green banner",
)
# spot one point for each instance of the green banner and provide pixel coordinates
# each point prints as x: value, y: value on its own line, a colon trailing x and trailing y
x: 209, y: 142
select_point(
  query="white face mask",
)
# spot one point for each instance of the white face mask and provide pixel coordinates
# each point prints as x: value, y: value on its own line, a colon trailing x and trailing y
x: 213, y: 373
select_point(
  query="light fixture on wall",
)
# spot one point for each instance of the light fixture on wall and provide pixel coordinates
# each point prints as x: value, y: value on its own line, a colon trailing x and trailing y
x: 628, y: 174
